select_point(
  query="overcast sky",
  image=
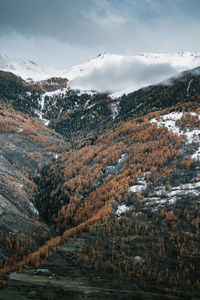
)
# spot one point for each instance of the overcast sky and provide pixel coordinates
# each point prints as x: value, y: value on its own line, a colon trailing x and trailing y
x: 62, y: 33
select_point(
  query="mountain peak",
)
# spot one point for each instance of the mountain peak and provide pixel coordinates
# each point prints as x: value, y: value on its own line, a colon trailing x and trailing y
x: 120, y: 74
x: 26, y: 69
x: 108, y: 72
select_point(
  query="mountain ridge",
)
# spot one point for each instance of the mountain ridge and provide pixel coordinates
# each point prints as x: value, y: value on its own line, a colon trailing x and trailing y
x: 77, y: 114
x: 88, y: 76
x: 118, y: 178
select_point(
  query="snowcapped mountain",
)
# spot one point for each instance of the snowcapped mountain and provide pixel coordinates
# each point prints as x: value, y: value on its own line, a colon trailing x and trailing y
x: 26, y: 69
x: 115, y: 74
x: 124, y: 74
x: 181, y: 61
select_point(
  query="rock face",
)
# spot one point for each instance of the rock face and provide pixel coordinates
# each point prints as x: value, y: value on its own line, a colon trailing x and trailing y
x: 25, y: 147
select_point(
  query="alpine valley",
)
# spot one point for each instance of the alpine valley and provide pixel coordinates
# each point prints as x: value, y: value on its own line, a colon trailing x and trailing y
x: 100, y: 178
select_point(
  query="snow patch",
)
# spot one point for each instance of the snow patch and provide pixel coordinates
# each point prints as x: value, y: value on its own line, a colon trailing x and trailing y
x: 169, y: 121
x: 60, y: 112
x: 115, y: 109
x: 122, y: 209
x: 182, y: 189
x: 20, y: 129
x: 140, y: 186
x: 33, y: 209
x: 137, y: 188
x: 43, y: 120
x: 138, y: 259
x: 188, y: 88
x: 122, y: 158
x: 92, y: 105
x: 59, y: 92
x: 114, y: 170
x: 196, y: 155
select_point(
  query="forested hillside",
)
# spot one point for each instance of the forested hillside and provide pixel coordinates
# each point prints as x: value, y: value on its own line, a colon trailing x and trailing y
x: 123, y: 188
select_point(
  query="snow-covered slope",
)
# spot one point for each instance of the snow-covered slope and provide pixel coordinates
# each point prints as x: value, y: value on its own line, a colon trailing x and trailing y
x: 124, y: 74
x: 116, y: 74
x: 26, y: 69
x: 181, y: 61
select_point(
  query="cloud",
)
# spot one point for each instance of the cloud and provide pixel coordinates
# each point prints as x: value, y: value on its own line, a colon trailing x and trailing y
x: 123, y: 76
x: 76, y: 22
x: 92, y: 26
x: 45, y: 51
x: 93, y: 22
x: 106, y: 18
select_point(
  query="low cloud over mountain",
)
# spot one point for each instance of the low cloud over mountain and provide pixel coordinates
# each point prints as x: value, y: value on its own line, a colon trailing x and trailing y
x: 125, y: 75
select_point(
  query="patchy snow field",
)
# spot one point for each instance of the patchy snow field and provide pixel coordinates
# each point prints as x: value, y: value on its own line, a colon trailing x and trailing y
x: 122, y: 209
x: 169, y: 121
